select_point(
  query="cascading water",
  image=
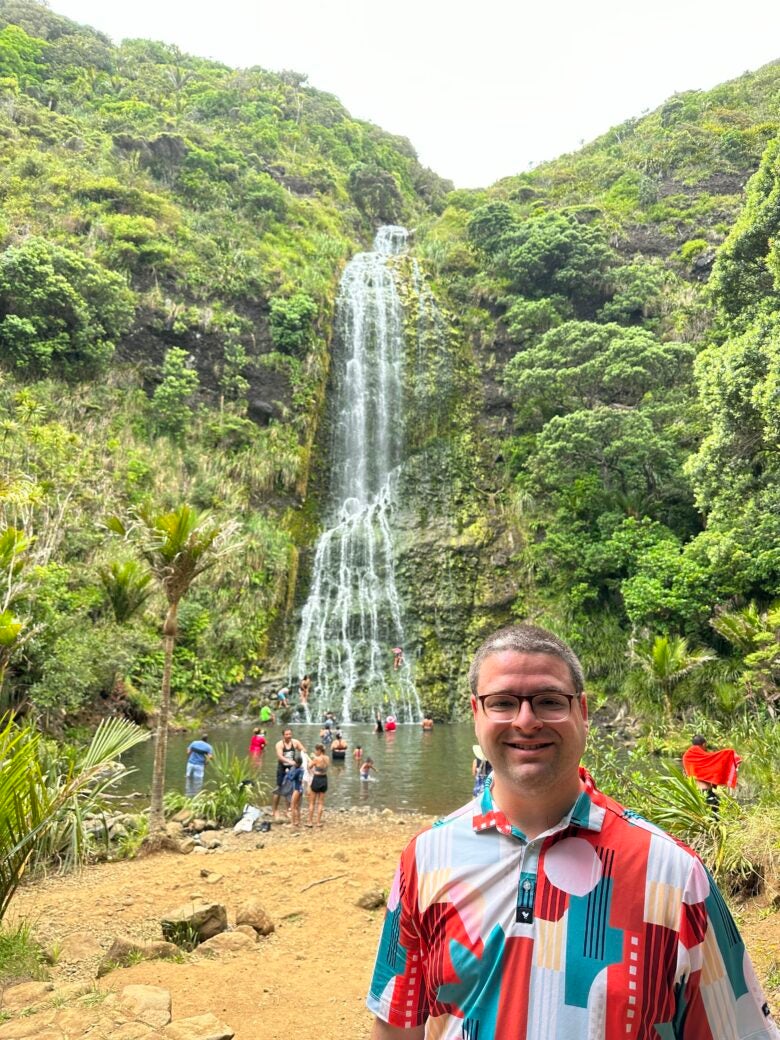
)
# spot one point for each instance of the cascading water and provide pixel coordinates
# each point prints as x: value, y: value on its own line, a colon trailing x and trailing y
x: 352, y: 620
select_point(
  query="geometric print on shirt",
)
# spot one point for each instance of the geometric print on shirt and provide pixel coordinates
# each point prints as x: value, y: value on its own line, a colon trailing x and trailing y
x: 603, y: 927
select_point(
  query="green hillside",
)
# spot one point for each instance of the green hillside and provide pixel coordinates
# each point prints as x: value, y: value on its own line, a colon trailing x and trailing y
x: 621, y: 302
x: 592, y: 429
x: 172, y: 234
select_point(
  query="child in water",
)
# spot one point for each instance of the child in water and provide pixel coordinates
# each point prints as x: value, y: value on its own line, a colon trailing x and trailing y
x: 366, y: 768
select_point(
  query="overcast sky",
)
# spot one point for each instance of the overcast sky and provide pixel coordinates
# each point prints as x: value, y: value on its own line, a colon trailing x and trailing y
x: 483, y: 89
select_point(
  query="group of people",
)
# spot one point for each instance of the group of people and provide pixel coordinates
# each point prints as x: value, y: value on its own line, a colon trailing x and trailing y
x: 298, y: 773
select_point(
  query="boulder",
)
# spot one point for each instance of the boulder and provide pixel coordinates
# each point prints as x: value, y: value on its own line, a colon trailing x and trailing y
x: 183, y: 816
x: 125, y: 951
x: 24, y: 995
x: 210, y: 839
x: 78, y: 946
x: 227, y: 942
x: 202, y: 1027
x: 252, y: 913
x: 373, y: 899
x: 247, y: 929
x: 194, y: 923
x: 148, y: 1004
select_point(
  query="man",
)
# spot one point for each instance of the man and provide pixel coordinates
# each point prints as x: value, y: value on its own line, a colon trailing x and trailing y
x: 198, y: 754
x: 286, y: 749
x: 543, y: 909
x: 266, y: 715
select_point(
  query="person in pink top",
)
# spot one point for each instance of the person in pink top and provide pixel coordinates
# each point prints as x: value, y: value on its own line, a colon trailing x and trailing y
x: 257, y: 742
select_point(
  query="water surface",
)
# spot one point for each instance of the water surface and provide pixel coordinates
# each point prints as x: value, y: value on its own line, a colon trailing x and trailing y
x: 416, y: 771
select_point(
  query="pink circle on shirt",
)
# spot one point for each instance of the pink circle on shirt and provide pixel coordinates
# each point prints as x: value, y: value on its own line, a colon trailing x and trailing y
x: 573, y: 866
x: 698, y: 887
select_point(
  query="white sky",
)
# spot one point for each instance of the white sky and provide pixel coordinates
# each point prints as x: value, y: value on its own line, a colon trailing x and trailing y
x: 482, y: 89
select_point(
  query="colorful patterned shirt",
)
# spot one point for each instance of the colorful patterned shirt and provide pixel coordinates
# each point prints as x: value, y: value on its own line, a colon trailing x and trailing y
x: 602, y: 927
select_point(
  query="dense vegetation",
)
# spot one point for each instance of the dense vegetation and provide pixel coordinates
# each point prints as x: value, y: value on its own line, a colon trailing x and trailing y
x: 594, y: 418
x: 624, y: 298
x: 172, y: 232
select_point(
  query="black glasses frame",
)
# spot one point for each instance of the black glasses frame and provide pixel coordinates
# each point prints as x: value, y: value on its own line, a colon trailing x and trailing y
x: 528, y: 697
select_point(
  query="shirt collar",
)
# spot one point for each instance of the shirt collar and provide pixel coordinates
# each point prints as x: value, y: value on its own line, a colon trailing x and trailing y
x: 587, y: 812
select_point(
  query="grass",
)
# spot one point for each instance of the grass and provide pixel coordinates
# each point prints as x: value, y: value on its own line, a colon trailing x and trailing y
x: 21, y: 957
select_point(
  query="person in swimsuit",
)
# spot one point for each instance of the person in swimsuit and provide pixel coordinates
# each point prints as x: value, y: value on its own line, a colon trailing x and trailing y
x: 358, y: 752
x: 319, y: 785
x: 295, y: 776
x: 367, y: 768
x: 304, y: 689
x: 338, y: 749
x: 285, y: 760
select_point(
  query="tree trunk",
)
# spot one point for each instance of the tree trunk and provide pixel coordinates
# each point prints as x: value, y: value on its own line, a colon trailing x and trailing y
x: 157, y: 815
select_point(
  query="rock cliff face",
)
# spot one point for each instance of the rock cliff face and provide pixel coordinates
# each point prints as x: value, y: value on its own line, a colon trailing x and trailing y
x: 452, y: 540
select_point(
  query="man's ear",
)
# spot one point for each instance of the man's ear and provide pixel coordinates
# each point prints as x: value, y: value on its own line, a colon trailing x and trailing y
x: 584, y: 706
x: 474, y: 706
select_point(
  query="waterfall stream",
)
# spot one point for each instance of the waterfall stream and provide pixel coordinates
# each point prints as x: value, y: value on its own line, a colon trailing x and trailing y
x: 352, y: 620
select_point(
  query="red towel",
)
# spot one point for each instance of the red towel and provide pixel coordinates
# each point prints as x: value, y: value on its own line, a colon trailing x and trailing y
x: 713, y: 767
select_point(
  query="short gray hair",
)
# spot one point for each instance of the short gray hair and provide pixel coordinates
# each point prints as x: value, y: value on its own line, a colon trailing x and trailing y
x: 527, y: 639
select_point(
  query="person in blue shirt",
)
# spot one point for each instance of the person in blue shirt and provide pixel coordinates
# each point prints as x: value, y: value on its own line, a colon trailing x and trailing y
x: 198, y: 754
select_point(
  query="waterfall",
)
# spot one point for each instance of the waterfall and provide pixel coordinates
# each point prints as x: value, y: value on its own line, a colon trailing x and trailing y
x: 352, y: 619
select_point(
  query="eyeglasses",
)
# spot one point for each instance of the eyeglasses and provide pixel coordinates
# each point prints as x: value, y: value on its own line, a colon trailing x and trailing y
x: 547, y: 707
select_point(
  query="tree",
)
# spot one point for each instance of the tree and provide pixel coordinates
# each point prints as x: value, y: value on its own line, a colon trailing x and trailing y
x: 582, y: 364
x: 21, y: 56
x: 756, y: 635
x: 126, y: 586
x: 375, y: 192
x: 666, y: 666
x: 171, y: 400
x: 178, y: 547
x: 59, y: 310
x: 35, y: 801
x: 556, y: 254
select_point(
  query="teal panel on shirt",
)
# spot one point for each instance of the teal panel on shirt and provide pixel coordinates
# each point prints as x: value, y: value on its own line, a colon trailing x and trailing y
x: 477, y: 993
x: 591, y: 944
x: 730, y: 944
x: 391, y: 955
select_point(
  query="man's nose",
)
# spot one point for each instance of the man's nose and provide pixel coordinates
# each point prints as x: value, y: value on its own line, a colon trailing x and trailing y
x: 526, y: 719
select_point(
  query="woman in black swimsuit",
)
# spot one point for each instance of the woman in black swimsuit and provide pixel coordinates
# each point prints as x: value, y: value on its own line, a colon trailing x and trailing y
x: 338, y: 749
x: 319, y: 785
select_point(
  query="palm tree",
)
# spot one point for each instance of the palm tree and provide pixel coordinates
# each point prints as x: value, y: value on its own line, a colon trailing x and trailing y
x: 178, y: 547
x: 666, y: 665
x: 42, y: 808
x: 126, y: 586
x: 755, y: 635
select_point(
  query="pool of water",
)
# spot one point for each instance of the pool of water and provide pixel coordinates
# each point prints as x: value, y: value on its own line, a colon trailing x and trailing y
x: 415, y: 771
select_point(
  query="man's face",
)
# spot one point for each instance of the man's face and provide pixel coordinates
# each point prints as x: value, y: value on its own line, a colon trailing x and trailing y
x: 287, y: 736
x: 529, y: 756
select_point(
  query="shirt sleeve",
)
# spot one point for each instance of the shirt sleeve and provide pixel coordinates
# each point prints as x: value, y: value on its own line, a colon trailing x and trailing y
x: 719, y: 996
x: 398, y: 994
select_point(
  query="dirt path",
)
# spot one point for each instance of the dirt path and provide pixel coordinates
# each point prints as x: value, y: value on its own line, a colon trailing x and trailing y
x: 312, y: 972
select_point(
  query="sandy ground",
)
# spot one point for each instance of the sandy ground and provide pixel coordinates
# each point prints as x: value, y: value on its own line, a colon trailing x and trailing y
x: 313, y: 971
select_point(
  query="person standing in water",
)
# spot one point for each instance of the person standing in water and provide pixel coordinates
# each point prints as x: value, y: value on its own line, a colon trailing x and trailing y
x: 319, y: 785
x: 198, y: 754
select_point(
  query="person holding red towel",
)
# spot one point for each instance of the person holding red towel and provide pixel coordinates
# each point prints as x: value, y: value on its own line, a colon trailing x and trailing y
x: 711, y: 769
